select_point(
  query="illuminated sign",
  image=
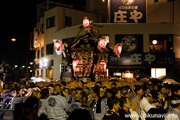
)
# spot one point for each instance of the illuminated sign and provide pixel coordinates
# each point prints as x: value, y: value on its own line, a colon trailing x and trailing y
x: 128, y: 11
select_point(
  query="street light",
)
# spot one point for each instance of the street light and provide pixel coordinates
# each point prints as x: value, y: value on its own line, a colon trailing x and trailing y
x: 154, y: 42
x: 13, y: 39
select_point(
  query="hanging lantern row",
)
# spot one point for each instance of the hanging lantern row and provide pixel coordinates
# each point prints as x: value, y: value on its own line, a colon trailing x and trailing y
x: 59, y: 47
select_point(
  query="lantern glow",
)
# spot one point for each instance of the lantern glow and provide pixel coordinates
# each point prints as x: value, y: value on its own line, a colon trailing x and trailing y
x: 57, y: 45
x: 75, y: 63
x: 86, y: 22
x: 118, y: 49
x: 103, y: 43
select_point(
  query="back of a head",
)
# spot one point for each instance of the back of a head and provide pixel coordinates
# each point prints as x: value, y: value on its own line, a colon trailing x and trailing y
x: 30, y: 105
x: 175, y: 101
x: 112, y: 101
x: 84, y: 100
x: 96, y: 90
x: 153, y: 94
x: 137, y: 88
x: 123, y: 100
x: 44, y: 93
x: 79, y: 114
x: 57, y: 88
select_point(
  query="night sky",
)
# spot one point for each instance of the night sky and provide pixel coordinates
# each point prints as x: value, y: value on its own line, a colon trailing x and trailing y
x: 18, y: 19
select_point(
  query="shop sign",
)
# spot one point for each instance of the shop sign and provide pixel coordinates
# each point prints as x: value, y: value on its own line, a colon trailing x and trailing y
x: 128, y: 11
x: 130, y: 43
x: 143, y: 59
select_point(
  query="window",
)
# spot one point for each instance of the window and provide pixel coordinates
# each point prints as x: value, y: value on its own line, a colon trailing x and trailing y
x: 42, y: 28
x: 42, y: 52
x: 157, y: 72
x: 170, y: 0
x: 161, y: 42
x: 68, y: 21
x: 38, y: 54
x: 50, y: 22
x: 156, y: 1
x: 49, y: 49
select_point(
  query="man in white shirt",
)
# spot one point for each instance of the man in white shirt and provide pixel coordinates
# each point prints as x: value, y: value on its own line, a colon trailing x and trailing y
x: 57, y: 106
x: 147, y: 103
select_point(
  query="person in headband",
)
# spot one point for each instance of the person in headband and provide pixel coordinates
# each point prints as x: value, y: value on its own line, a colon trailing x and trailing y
x: 126, y: 92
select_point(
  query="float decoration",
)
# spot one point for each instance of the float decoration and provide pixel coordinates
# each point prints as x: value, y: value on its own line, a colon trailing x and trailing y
x: 118, y: 49
x: 89, y: 53
x: 59, y: 46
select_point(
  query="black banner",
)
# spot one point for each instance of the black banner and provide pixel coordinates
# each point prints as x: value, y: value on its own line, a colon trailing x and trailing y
x: 128, y: 11
x: 142, y: 59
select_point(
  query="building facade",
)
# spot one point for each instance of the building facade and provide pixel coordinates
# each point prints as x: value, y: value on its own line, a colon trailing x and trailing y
x: 161, y: 23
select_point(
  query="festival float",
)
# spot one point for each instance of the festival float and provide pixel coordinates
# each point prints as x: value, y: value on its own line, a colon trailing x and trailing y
x: 88, y: 55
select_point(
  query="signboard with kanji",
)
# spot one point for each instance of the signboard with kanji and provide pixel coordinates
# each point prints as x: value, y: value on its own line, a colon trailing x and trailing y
x: 143, y: 59
x: 128, y: 11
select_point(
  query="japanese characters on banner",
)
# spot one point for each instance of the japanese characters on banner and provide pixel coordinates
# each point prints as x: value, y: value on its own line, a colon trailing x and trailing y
x: 128, y: 11
x: 142, y: 59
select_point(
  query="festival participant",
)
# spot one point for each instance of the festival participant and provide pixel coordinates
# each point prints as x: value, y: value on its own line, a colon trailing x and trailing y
x: 57, y: 106
x: 51, y: 89
x: 80, y: 114
x: 174, y: 114
x: 146, y: 90
x: 176, y: 91
x: 109, y: 93
x: 98, y: 83
x: 124, y: 113
x: 44, y: 96
x: 139, y: 93
x: 148, y: 104
x: 85, y: 105
x: 9, y: 103
x: 31, y: 108
x: 113, y: 85
x: 65, y: 93
x: 98, y: 105
x: 114, y: 106
x: 117, y: 93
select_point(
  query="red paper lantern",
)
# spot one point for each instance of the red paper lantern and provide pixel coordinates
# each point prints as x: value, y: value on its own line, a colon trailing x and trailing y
x: 57, y: 45
x: 86, y: 22
x: 118, y: 49
x: 103, y: 43
x: 75, y: 63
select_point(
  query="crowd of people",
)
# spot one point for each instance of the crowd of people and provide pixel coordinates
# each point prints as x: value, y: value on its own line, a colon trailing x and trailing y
x: 25, y: 101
